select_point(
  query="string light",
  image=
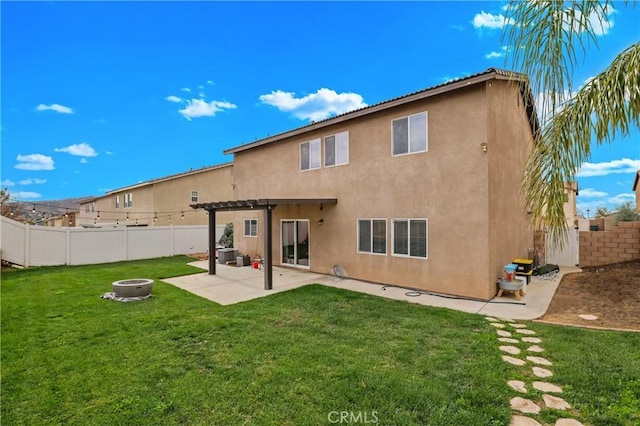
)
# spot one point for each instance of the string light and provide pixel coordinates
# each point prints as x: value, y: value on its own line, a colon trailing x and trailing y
x: 181, y: 215
x: 34, y: 208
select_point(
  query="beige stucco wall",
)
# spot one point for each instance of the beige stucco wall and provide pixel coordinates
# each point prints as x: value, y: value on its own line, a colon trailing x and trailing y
x: 454, y: 185
x: 509, y: 143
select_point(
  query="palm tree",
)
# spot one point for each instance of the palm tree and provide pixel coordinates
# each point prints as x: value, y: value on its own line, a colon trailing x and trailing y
x: 547, y: 38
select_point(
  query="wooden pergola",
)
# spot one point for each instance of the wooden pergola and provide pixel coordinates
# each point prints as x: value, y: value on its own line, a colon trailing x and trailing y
x: 260, y: 204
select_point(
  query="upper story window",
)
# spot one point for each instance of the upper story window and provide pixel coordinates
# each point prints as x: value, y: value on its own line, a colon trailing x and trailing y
x: 336, y: 149
x: 410, y: 237
x: 128, y: 200
x: 310, y: 155
x: 251, y: 227
x: 409, y: 134
x: 117, y: 201
x: 194, y: 196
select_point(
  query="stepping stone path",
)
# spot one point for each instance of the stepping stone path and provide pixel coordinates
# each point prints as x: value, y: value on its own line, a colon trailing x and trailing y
x: 510, y: 350
x: 506, y: 329
x: 588, y: 317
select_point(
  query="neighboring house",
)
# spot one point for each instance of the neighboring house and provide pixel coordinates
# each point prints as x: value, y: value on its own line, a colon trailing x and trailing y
x: 570, y: 209
x: 421, y: 191
x: 636, y: 189
x: 161, y: 201
x: 70, y: 218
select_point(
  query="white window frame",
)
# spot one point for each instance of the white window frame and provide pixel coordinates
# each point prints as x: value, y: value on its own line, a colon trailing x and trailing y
x: 197, y: 197
x: 386, y: 234
x: 393, y: 239
x: 244, y: 228
x: 426, y: 130
x: 335, y: 137
x: 117, y: 201
x: 128, y: 200
x: 317, y: 142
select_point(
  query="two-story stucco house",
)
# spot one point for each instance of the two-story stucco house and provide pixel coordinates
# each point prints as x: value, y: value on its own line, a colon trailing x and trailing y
x: 162, y: 201
x: 420, y: 191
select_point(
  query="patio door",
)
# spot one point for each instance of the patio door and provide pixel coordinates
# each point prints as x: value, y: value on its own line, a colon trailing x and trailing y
x: 295, y: 242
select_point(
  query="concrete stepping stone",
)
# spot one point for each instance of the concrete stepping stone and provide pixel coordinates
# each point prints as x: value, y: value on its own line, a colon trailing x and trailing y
x: 541, y: 372
x: 547, y: 387
x: 497, y: 324
x: 508, y: 340
x: 491, y: 319
x: 555, y: 402
x: 523, y: 421
x: 518, y: 385
x: 568, y: 422
x: 512, y: 360
x: 535, y: 348
x: 525, y: 331
x: 503, y: 333
x: 510, y: 350
x: 588, y: 317
x: 532, y: 340
x: 539, y: 360
x: 518, y: 325
x: 524, y: 405
x: 507, y: 320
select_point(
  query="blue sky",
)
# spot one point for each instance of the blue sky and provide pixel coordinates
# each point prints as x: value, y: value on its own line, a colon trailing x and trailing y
x: 102, y: 95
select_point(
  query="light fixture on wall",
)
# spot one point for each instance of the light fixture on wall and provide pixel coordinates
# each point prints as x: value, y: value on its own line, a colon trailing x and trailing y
x: 321, y: 222
x: 485, y: 147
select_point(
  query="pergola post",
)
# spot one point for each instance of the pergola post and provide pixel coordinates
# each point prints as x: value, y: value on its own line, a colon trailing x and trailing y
x: 212, y: 242
x: 268, y: 249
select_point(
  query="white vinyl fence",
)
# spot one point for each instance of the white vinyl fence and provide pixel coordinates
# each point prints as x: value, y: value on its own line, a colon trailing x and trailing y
x: 569, y: 254
x: 30, y: 245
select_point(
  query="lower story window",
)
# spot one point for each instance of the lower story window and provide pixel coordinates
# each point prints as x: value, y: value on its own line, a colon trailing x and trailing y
x: 251, y: 227
x: 372, y: 236
x: 410, y: 237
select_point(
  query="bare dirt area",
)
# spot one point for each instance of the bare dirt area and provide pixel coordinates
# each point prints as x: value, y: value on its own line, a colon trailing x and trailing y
x: 610, y: 292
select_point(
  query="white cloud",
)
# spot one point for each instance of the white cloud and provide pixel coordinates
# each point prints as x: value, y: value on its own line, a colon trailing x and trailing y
x: 599, y: 25
x: 315, y: 106
x: 490, y: 21
x: 210, y: 82
x: 34, y: 162
x: 605, y: 168
x: 34, y: 181
x: 81, y: 150
x: 173, y: 99
x: 83, y: 161
x: 498, y: 54
x: 55, y: 107
x: 202, y: 95
x: 24, y: 195
x: 7, y: 182
x: 199, y: 108
x: 108, y: 152
x: 186, y: 89
x: 592, y: 193
x: 622, y: 198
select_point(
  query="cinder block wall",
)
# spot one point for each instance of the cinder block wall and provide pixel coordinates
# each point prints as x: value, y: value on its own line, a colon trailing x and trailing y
x: 619, y: 243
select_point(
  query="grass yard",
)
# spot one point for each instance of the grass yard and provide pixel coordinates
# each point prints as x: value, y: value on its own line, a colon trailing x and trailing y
x: 295, y: 358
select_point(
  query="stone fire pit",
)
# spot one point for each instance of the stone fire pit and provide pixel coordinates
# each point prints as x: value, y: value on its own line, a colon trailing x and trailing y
x: 137, y: 287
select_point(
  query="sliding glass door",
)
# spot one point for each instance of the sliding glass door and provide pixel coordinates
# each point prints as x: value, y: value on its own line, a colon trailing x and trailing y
x: 295, y: 242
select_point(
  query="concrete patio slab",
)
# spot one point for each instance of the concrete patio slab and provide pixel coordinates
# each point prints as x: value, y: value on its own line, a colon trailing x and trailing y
x: 238, y: 284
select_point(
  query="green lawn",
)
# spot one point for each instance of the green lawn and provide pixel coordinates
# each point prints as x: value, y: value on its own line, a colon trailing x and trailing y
x: 294, y: 358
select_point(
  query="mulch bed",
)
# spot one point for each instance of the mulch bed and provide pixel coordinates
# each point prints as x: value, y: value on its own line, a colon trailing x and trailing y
x: 610, y: 292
